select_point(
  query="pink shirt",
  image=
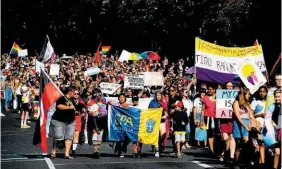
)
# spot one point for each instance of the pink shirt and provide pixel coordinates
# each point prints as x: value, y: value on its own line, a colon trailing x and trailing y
x: 209, y: 107
x: 244, y: 114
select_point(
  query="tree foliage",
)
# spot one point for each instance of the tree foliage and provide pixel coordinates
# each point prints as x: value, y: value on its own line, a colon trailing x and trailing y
x: 133, y: 24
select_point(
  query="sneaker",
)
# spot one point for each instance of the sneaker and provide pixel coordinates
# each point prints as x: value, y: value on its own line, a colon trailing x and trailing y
x: 28, y: 122
x: 26, y: 126
x: 22, y: 126
x: 183, y: 147
x: 172, y: 153
x: 73, y: 154
x: 121, y: 155
x: 187, y: 146
x: 157, y: 154
x: 139, y: 154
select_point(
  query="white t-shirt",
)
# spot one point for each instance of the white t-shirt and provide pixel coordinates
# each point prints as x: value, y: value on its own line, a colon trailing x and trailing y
x: 198, y: 105
x: 258, y: 106
x: 188, y: 105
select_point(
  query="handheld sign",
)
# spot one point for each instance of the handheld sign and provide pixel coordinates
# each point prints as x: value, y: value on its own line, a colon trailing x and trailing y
x: 109, y: 88
x: 134, y: 81
x: 224, y: 103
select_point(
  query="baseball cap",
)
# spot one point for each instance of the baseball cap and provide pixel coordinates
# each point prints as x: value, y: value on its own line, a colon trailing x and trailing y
x: 179, y: 104
x: 135, y: 98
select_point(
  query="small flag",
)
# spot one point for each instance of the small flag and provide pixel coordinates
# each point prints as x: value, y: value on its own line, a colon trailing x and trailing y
x: 47, y: 53
x: 49, y: 94
x: 15, y: 49
x: 256, y: 43
x: 105, y: 49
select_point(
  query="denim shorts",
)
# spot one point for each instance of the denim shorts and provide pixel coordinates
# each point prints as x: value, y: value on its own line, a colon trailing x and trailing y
x: 179, y: 136
x: 63, y: 130
x: 238, y: 130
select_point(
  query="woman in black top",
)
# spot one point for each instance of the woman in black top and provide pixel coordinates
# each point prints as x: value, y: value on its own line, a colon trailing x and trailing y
x: 63, y: 123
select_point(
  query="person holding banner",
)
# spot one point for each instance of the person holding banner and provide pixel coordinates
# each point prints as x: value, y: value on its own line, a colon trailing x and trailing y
x: 208, y: 116
x: 241, y: 119
x: 121, y: 146
x: 158, y: 102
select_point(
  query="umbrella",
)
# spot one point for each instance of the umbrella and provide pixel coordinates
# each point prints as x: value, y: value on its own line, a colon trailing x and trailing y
x: 134, y: 56
x: 150, y: 55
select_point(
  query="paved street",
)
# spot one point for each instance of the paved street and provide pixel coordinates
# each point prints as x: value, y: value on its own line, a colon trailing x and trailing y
x: 17, y: 152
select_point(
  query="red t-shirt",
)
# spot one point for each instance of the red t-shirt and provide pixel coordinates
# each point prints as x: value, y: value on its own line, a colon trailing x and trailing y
x: 209, y: 107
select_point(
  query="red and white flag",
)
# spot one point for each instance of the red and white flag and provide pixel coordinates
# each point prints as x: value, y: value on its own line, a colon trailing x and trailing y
x: 47, y: 53
x: 49, y: 93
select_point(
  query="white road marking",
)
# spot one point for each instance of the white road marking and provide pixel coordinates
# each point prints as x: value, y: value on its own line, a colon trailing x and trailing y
x: 20, y: 160
x: 201, y: 164
x: 49, y: 163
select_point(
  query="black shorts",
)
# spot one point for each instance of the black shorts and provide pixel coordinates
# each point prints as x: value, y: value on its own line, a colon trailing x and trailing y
x: 211, y: 132
x: 25, y: 107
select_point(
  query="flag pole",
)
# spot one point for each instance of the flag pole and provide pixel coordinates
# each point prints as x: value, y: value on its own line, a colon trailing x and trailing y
x: 277, y: 61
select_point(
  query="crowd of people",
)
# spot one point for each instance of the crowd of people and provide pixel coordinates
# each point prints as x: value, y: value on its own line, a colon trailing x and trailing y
x: 188, y: 104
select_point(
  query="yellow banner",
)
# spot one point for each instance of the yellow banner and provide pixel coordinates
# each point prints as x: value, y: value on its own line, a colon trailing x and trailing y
x: 211, y: 48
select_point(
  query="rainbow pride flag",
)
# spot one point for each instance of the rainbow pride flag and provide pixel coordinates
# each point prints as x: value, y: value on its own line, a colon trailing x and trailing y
x: 105, y: 49
x: 15, y: 49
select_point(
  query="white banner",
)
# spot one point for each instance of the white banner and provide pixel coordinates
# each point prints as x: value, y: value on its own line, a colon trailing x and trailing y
x: 251, y: 75
x: 226, y: 59
x: 153, y: 79
x: 54, y: 69
x: 22, y: 52
x: 134, y: 81
x: 143, y: 102
x: 109, y: 88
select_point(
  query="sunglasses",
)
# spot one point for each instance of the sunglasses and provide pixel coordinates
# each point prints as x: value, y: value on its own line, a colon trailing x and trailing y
x: 76, y: 93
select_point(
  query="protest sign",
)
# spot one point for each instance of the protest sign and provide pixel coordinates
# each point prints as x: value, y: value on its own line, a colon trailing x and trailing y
x: 251, y: 75
x: 22, y: 52
x: 224, y: 103
x: 109, y: 88
x: 92, y: 71
x: 219, y: 64
x: 134, y: 81
x: 153, y: 79
x: 124, y: 56
x: 54, y: 69
x: 39, y: 66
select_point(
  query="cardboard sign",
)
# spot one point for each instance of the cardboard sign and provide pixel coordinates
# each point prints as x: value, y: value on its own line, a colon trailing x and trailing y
x: 92, y: 71
x: 109, y: 88
x: 134, y: 81
x: 54, y: 69
x: 224, y: 103
x: 39, y: 66
x: 251, y: 75
x: 22, y: 52
x: 153, y: 79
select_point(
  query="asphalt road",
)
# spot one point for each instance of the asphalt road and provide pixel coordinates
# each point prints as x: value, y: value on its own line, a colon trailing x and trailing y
x: 17, y: 152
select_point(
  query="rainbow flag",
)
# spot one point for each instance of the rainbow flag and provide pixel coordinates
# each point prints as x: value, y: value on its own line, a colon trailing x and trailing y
x: 15, y: 49
x: 105, y: 49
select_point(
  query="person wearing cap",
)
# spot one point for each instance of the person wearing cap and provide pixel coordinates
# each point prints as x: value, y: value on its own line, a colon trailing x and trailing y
x: 180, y: 121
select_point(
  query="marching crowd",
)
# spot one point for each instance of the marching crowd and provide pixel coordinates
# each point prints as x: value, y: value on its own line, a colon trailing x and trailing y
x: 188, y: 108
